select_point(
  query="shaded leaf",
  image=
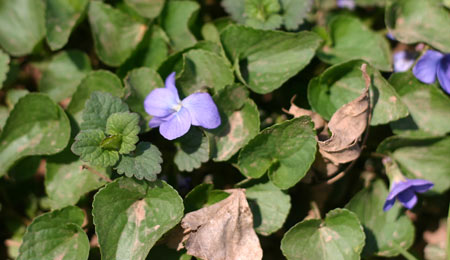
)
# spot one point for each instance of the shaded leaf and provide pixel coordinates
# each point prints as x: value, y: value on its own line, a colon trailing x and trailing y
x: 146, y: 8
x: 90, y: 146
x: 339, y: 236
x: 203, y: 195
x: 266, y: 59
x: 232, y: 222
x: 144, y: 162
x: 115, y: 33
x: 36, y: 126
x: 428, y: 107
x: 412, y: 21
x: 56, y: 235
x: 4, y: 67
x: 23, y: 25
x: 61, y: 18
x: 421, y: 158
x: 63, y: 74
x: 385, y: 231
x: 287, y: 149
x: 192, y: 150
x: 342, y: 83
x: 130, y: 216
x: 99, y: 80
x: 176, y: 20
x: 351, y: 39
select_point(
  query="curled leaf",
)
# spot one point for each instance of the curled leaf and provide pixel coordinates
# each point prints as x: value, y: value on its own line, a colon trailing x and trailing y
x: 223, y: 231
x: 319, y: 122
x: 346, y: 127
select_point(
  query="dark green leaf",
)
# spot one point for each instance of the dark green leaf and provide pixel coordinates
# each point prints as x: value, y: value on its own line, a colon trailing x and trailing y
x: 36, y: 126
x: 339, y: 236
x: 203, y: 195
x: 13, y: 96
x: 130, y: 216
x: 192, y: 150
x: 22, y: 25
x: 351, y: 39
x: 90, y: 145
x: 64, y: 73
x: 4, y: 67
x: 115, y: 34
x: 266, y: 59
x: 344, y: 82
x: 145, y: 162
x: 385, y: 231
x: 56, y: 235
x: 61, y: 18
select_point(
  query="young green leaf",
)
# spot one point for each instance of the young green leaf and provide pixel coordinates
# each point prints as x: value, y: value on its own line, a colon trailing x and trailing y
x: 61, y: 18
x: 64, y: 73
x: 92, y: 146
x: 339, y: 236
x: 144, y: 162
x: 130, y: 216
x: 294, y: 12
x: 115, y: 34
x: 36, y: 126
x: 99, y: 108
x: 385, y: 231
x: 56, y: 235
x: 125, y: 125
x: 146, y: 8
x: 263, y: 14
x: 192, y: 150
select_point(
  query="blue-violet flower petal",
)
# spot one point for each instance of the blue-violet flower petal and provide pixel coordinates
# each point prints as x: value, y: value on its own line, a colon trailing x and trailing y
x: 405, y: 191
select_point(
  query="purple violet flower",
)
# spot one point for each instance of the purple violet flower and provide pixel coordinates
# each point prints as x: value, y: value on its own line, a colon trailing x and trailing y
x: 434, y: 63
x: 349, y: 4
x: 175, y: 117
x: 403, y: 60
x: 405, y: 192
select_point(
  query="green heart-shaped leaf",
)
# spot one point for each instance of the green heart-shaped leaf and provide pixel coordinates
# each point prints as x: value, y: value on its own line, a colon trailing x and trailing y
x: 92, y: 146
x: 145, y: 162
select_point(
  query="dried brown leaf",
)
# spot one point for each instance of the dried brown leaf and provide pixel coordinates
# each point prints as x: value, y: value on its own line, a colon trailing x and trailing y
x: 223, y: 231
x: 319, y: 122
x: 346, y: 126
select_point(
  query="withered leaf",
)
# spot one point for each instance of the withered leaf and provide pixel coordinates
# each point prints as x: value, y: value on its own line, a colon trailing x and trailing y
x: 346, y: 126
x: 222, y: 231
x: 319, y: 122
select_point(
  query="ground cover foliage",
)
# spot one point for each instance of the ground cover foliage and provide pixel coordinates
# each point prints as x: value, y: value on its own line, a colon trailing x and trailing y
x: 312, y: 129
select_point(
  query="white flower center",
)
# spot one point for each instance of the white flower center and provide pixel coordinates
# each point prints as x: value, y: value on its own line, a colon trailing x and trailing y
x: 177, y: 107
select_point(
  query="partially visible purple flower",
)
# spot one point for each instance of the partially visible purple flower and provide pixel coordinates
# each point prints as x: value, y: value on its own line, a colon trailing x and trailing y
x: 173, y: 116
x: 390, y: 36
x: 403, y: 60
x: 405, y: 192
x: 434, y: 63
x: 349, y: 4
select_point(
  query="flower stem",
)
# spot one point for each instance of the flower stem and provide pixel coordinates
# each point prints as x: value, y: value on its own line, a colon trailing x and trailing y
x: 407, y: 255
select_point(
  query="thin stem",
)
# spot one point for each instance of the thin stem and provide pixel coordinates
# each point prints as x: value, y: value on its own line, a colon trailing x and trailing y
x: 94, y: 171
x: 407, y: 255
x: 315, y: 210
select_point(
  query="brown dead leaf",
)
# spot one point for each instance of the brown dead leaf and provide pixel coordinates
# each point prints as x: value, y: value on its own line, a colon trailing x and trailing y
x: 223, y: 231
x: 346, y: 126
x: 319, y: 122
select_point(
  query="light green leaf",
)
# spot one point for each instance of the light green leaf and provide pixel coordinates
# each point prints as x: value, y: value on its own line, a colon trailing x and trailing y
x: 13, y: 95
x: 115, y: 34
x: 412, y: 21
x: 176, y: 19
x: 145, y: 162
x: 421, y: 158
x: 192, y: 150
x: 344, y: 82
x: 294, y: 12
x: 99, y: 107
x: 56, y: 235
x: 64, y: 73
x: 66, y: 181
x: 203, y: 195
x: 339, y: 236
x: 138, y: 84
x: 351, y: 39
x: 240, y: 122
x: 4, y: 67
x: 236, y: 8
x: 270, y: 206
x: 61, y: 18
x: 125, y: 125
x: 130, y: 216
x: 4, y: 114
x: 92, y: 146
x: 36, y: 126
x: 263, y: 14
x: 287, y: 149
x: 99, y: 80
x: 146, y: 8
x: 204, y: 69
x: 266, y: 59
x: 385, y: 231
x: 429, y: 107
x: 23, y: 25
